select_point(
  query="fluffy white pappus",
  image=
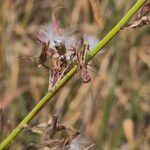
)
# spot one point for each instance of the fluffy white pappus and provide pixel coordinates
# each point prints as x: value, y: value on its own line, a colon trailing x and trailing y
x: 91, y: 40
x: 48, y: 35
x: 72, y: 42
x: 79, y: 143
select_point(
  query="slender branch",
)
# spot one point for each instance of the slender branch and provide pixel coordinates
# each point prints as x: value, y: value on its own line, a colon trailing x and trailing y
x: 70, y: 74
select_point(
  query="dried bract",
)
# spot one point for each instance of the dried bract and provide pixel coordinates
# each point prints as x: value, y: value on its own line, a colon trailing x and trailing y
x: 51, y: 137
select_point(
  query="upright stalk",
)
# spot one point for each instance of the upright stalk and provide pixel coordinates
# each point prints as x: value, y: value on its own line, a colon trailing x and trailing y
x: 70, y: 74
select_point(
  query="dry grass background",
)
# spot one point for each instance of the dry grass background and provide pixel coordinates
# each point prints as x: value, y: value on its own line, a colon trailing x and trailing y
x: 113, y: 110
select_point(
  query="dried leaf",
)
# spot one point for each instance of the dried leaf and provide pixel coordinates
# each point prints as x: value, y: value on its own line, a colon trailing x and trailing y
x: 144, y: 11
x: 145, y: 20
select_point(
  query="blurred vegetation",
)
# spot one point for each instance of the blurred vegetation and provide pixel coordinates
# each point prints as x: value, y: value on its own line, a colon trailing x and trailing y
x: 113, y: 110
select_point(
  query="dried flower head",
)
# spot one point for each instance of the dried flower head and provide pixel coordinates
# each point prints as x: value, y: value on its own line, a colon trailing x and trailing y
x: 57, y: 136
x: 62, y: 49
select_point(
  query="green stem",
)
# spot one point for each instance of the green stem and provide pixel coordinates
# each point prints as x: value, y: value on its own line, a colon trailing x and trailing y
x: 70, y: 74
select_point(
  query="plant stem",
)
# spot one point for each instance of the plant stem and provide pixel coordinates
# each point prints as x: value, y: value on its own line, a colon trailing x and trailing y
x: 70, y: 74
